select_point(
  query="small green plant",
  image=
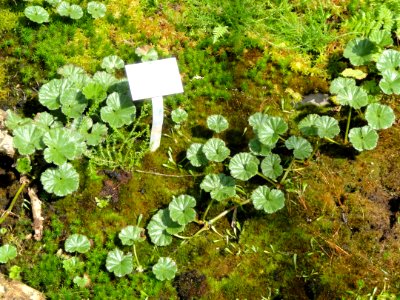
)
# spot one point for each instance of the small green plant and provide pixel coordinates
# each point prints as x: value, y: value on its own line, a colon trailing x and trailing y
x: 36, y: 14
x: 165, y: 269
x: 364, y: 98
x: 7, y: 253
x: 15, y: 272
x: 100, y: 123
x: 77, y: 243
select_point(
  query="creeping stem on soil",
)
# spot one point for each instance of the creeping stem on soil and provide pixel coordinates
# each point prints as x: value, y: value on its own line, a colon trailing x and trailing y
x: 8, y: 211
x: 287, y: 171
x: 347, y: 127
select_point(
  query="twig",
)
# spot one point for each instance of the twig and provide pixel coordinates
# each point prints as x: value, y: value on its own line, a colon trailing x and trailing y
x: 36, y: 205
x: 167, y: 175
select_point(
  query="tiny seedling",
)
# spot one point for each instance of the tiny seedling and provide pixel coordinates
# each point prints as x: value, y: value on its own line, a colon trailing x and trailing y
x: 7, y: 253
x: 165, y: 269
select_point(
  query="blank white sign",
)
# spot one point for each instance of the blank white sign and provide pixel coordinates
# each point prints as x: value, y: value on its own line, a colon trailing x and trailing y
x: 154, y: 78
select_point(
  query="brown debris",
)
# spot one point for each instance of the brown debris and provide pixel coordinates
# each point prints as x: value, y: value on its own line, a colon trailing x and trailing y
x: 13, y: 289
x: 36, y: 205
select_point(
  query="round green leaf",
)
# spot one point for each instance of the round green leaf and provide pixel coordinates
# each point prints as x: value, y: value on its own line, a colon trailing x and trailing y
x: 360, y: 51
x: 53, y: 2
x: 268, y: 200
x: 257, y: 148
x: 73, y: 103
x: 196, y: 155
x: 23, y: 165
x: 49, y: 93
x: 268, y: 133
x: 119, y: 263
x: 256, y: 120
x: 271, y: 166
x: 27, y: 139
x: 7, y: 252
x: 382, y: 38
x: 73, y: 11
x: 106, y: 80
x: 353, y: 96
x: 390, y: 82
x: 327, y: 127
x: 165, y: 269
x: 62, y: 144
x: 307, y: 125
x: 161, y: 226
x: 243, y: 166
x: 14, y: 121
x: 179, y: 115
x: 112, y: 62
x: 181, y: 209
x: 302, y: 148
x: 96, y: 9
x: 77, y: 243
x: 217, y: 123
x: 220, y: 186
x: 36, y: 14
x: 97, y: 134
x: 388, y: 60
x: 70, y: 71
x: 215, y: 150
x: 63, y: 9
x: 379, y: 116
x: 119, y: 111
x: 131, y: 234
x: 81, y: 281
x: 363, y: 138
x: 61, y: 181
x: 95, y: 91
x: 338, y: 84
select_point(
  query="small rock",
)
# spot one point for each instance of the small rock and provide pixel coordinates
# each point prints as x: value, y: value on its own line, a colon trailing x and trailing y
x: 314, y: 99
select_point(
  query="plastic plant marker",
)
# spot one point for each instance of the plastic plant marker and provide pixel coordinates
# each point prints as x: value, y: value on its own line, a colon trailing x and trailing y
x: 119, y: 263
x: 7, y: 252
x: 268, y: 200
x: 196, y: 155
x: 215, y: 150
x: 181, y: 209
x: 131, y: 234
x: 217, y: 123
x: 363, y: 138
x: 154, y: 79
x: 77, y: 243
x: 165, y: 269
x: 243, y: 166
x: 379, y: 116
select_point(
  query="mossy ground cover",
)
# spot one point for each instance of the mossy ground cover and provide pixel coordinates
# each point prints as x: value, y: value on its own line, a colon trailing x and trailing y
x: 338, y: 235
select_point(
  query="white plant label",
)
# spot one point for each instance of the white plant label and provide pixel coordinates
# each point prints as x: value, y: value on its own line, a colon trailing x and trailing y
x: 154, y: 79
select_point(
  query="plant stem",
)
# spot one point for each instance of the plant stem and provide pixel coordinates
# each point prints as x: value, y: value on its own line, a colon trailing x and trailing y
x: 332, y: 141
x: 225, y: 212
x: 267, y: 179
x: 14, y: 200
x: 287, y: 171
x: 139, y: 267
x: 347, y: 127
x: 207, y: 209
